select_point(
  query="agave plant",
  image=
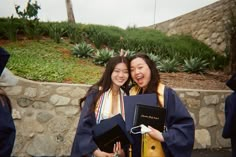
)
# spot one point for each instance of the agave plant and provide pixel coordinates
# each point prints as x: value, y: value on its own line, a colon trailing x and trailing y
x: 83, y: 50
x: 168, y: 65
x: 154, y: 58
x: 130, y: 53
x: 102, y: 56
x: 195, y: 65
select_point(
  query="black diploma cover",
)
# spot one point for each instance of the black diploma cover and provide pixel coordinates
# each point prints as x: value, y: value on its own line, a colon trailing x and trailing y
x: 110, y: 131
x: 150, y: 116
x: 130, y: 103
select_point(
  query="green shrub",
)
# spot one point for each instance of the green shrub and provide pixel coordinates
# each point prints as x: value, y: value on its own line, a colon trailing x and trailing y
x: 83, y: 50
x: 168, y: 65
x: 32, y: 29
x: 9, y: 29
x: 74, y: 33
x: 104, y: 35
x: 56, y: 32
x: 155, y: 58
x: 195, y: 65
x: 102, y: 56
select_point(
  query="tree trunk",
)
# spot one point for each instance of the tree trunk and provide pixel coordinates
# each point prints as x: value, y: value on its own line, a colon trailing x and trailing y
x: 70, y: 14
x: 233, y: 54
x: 232, y: 37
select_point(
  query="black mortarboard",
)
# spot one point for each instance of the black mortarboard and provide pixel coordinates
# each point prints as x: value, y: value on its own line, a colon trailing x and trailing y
x: 231, y: 83
x: 110, y: 131
x: 4, y: 56
x: 130, y: 103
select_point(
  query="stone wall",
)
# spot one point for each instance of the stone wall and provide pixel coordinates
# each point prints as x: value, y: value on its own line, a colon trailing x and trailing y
x: 207, y: 24
x: 46, y: 116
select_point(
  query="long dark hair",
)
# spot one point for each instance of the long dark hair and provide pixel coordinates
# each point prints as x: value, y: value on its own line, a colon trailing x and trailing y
x: 4, y: 99
x: 105, y: 81
x: 155, y: 76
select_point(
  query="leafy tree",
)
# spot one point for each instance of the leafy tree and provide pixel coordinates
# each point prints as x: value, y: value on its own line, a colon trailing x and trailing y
x: 30, y: 19
x: 31, y: 11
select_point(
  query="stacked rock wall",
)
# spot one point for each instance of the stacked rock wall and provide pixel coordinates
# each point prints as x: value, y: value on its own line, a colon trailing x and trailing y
x: 46, y: 116
x: 208, y: 24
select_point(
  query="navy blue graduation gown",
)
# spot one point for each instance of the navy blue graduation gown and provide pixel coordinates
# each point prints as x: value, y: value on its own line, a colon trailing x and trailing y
x: 229, y: 130
x: 7, y: 131
x: 83, y: 144
x: 179, y: 137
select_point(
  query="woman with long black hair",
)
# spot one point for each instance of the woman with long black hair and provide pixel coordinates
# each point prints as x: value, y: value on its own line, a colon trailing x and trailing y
x: 103, y: 100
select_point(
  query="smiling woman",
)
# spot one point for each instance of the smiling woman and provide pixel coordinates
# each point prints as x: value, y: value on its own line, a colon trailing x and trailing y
x: 103, y: 100
x: 179, y: 125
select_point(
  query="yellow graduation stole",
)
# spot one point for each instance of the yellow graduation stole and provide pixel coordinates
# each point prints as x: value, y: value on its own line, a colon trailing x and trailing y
x: 149, y: 146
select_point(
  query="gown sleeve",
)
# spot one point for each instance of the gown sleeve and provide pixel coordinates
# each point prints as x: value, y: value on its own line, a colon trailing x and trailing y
x: 179, y: 137
x: 230, y: 116
x: 7, y: 131
x: 84, y: 144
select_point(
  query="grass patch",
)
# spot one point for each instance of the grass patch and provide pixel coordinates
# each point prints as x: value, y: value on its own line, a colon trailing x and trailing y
x: 46, y: 60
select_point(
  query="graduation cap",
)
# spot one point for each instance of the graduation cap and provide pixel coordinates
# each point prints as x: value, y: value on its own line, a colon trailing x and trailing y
x: 130, y: 103
x: 4, y: 56
x: 110, y: 131
x: 231, y: 83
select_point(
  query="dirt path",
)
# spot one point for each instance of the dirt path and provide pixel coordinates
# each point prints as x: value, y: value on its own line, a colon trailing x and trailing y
x: 208, y: 81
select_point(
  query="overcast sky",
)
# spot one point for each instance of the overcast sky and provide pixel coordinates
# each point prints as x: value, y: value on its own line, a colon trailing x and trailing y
x: 121, y: 13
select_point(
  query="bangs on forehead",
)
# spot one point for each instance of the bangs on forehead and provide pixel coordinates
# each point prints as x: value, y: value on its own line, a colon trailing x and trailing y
x: 140, y: 62
x: 126, y: 67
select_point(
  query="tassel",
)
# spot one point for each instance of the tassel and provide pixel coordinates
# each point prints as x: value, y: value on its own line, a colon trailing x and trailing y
x: 142, y: 145
x: 130, y: 150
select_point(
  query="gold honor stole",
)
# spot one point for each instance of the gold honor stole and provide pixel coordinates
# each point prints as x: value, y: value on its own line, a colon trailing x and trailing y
x: 149, y: 146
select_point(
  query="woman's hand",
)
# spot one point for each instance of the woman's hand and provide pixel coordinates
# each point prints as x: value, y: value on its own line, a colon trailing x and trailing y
x: 156, y: 134
x: 118, y: 150
x: 99, y: 153
x: 122, y: 53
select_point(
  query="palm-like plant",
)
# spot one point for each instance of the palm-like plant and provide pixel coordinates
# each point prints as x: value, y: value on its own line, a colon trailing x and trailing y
x: 102, y: 56
x: 168, y: 65
x: 83, y: 50
x: 129, y: 53
x: 195, y: 65
x: 154, y: 58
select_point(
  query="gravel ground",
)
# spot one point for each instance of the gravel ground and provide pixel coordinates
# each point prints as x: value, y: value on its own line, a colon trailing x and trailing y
x: 211, y: 153
x: 207, y: 81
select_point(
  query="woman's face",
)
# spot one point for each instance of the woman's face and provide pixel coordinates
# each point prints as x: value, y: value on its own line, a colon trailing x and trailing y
x: 140, y: 72
x: 120, y: 74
